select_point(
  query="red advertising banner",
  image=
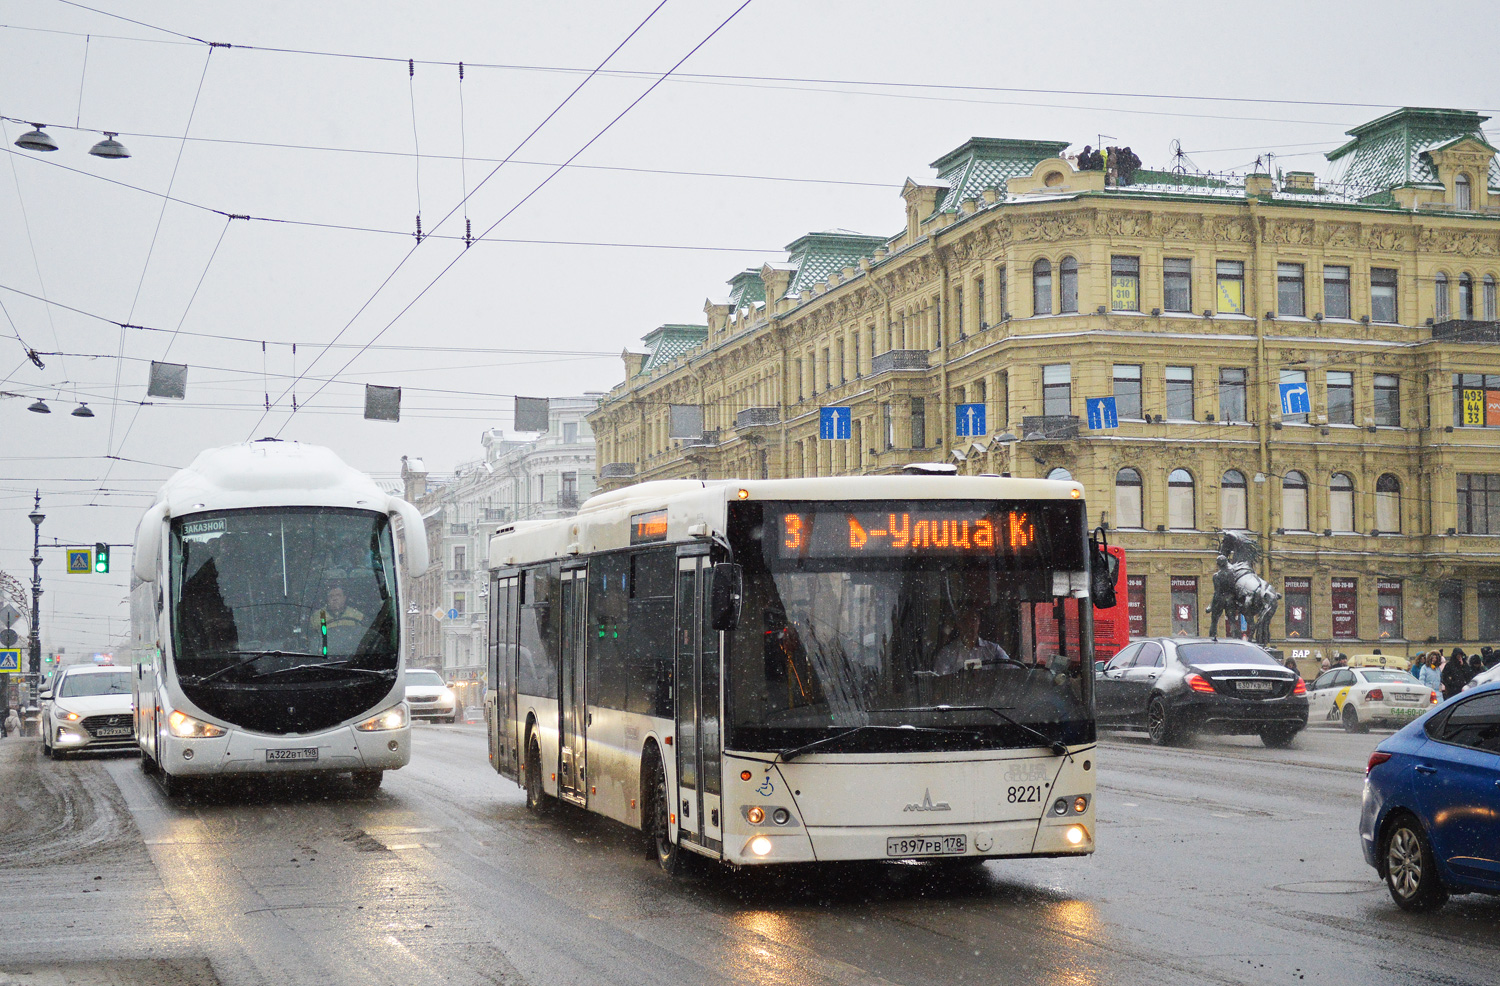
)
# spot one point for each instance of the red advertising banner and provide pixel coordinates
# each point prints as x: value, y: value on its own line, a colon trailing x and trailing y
x: 1345, y: 609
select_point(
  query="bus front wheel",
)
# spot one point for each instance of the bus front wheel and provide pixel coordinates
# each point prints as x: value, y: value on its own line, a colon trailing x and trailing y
x: 536, y: 795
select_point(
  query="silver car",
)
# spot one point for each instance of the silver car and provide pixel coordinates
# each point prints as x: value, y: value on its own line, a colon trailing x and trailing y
x: 429, y: 696
x: 88, y: 708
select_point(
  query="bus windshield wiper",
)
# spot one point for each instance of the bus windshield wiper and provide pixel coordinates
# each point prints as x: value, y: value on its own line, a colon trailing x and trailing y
x: 786, y: 756
x: 326, y: 665
x: 1057, y: 746
x: 254, y: 656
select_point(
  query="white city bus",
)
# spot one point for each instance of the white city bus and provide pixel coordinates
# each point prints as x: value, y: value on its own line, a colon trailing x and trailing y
x: 266, y: 621
x: 770, y: 671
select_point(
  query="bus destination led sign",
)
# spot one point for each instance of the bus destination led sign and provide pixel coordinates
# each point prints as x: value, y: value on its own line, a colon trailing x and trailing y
x: 868, y: 534
x: 648, y: 527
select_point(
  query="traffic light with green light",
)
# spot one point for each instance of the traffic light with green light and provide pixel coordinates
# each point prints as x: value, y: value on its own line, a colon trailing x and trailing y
x: 101, y: 558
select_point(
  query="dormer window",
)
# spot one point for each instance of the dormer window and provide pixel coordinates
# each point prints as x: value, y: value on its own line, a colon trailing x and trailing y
x: 1461, y: 198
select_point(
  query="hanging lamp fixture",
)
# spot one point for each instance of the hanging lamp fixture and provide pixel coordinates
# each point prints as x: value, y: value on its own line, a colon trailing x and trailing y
x: 82, y: 411
x: 109, y: 148
x: 40, y: 407
x: 36, y: 139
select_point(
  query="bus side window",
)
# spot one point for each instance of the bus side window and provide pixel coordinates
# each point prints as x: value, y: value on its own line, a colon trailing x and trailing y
x: 651, y: 656
x: 608, y: 675
x: 539, y: 645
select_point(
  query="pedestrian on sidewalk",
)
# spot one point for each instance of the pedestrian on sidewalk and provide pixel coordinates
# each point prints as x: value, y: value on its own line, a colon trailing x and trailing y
x: 12, y: 722
x: 1455, y: 673
x: 1430, y: 675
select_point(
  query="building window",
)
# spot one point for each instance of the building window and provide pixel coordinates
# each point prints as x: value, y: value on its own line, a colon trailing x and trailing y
x: 1345, y: 599
x: 1125, y: 284
x: 1128, y: 498
x: 1290, y: 290
x: 459, y: 603
x: 1177, y: 285
x: 1127, y: 391
x: 890, y: 425
x: 1336, y: 292
x: 1489, y: 610
x: 980, y: 312
x: 1440, y: 298
x: 918, y: 422
x: 1490, y: 313
x: 1180, y: 393
x: 1466, y: 296
x: 1230, y: 278
x: 1041, y: 287
x: 1387, y: 400
x: 958, y: 311
x: 1185, y: 605
x: 1057, y: 389
x: 1060, y: 474
x: 1450, y: 611
x: 1476, y: 400
x: 1296, y: 376
x: 1461, y: 193
x: 570, y: 432
x: 1340, y: 397
x: 1000, y: 292
x: 1298, y: 607
x: 1478, y: 503
x: 1388, y: 608
x: 1382, y: 294
x: 1135, y: 604
x: 1232, y: 394
x: 460, y: 557
x: 1388, y: 504
x: 1294, y: 501
x: 1341, y: 504
x: 570, y: 484
x: 1181, y: 509
x: 1067, y: 285
x: 1233, y: 505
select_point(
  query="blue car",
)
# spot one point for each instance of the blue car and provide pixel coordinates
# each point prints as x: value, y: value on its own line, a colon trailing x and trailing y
x: 1431, y: 818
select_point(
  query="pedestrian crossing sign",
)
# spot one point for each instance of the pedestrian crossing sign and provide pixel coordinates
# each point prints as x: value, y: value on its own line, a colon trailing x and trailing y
x: 10, y: 661
x: 80, y: 561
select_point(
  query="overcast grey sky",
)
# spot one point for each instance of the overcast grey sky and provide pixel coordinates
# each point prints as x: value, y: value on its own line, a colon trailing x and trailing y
x: 327, y: 142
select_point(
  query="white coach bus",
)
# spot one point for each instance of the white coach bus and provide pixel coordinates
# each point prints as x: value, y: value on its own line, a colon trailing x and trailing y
x: 266, y: 620
x: 772, y: 671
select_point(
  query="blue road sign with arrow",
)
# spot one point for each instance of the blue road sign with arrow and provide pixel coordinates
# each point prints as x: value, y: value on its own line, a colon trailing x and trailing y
x: 968, y: 420
x: 835, y: 423
x: 1294, y: 399
x: 1102, y: 413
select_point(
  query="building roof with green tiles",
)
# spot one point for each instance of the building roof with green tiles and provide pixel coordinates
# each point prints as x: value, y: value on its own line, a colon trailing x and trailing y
x: 746, y: 288
x: 988, y: 162
x: 1392, y: 151
x: 818, y: 255
x: 668, y: 343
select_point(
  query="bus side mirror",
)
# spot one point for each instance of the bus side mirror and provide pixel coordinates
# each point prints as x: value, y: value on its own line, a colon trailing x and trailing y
x: 144, y: 560
x: 728, y: 593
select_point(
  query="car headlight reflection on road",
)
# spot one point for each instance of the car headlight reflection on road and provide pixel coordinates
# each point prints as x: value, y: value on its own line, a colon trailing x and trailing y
x: 392, y: 718
x: 184, y: 726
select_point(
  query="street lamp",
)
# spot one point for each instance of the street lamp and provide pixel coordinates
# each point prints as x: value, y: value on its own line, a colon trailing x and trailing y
x: 109, y: 148
x: 36, y: 517
x: 36, y: 139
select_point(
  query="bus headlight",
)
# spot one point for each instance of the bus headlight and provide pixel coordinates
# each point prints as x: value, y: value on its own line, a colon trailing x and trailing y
x: 392, y: 718
x: 1076, y: 835
x: 184, y: 726
x: 760, y: 845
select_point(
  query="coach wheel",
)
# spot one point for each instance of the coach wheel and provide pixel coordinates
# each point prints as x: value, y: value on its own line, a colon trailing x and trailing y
x: 669, y: 855
x: 536, y: 795
x: 1410, y: 869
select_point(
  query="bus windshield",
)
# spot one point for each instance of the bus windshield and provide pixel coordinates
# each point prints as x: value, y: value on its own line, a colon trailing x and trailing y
x: 962, y: 647
x: 270, y: 591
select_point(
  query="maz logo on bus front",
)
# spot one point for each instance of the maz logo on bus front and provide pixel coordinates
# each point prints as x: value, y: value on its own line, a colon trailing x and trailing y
x: 928, y: 804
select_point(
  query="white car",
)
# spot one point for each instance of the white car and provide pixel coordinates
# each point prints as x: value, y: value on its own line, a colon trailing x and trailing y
x: 1484, y: 678
x: 1361, y: 697
x: 89, y: 708
x: 429, y: 696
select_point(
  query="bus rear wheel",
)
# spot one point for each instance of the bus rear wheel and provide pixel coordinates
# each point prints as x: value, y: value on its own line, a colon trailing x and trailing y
x: 537, y: 799
x: 669, y: 855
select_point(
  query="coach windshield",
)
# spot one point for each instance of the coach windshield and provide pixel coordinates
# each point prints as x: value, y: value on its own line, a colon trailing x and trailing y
x: 942, y: 618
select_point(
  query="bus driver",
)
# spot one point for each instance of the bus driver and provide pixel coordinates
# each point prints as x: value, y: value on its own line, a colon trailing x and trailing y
x: 968, y: 646
x: 344, y: 622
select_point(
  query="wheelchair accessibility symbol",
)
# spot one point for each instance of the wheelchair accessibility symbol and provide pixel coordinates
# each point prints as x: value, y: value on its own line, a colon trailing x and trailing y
x: 766, y: 788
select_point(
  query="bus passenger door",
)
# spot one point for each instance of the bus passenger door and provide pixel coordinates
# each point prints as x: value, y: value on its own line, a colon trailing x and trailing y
x: 500, y: 695
x: 698, y: 740
x: 572, y: 775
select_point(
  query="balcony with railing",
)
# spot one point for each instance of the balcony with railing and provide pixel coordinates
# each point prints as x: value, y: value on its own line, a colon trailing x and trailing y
x: 458, y: 530
x: 617, y: 470
x: 567, y: 500
x: 1049, y: 426
x: 708, y: 439
x: 899, y: 359
x: 757, y: 417
x: 458, y: 574
x: 1466, y: 330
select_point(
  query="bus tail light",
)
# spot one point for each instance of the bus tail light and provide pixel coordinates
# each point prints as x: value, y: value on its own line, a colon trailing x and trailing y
x: 1198, y: 683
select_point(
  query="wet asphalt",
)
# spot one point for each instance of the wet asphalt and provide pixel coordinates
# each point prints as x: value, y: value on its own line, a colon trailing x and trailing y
x: 1222, y: 862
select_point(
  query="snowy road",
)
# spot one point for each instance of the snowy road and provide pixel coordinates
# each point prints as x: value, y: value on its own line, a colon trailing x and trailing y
x: 1221, y: 863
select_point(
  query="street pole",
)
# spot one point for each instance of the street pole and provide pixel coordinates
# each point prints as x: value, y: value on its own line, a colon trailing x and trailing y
x: 34, y: 677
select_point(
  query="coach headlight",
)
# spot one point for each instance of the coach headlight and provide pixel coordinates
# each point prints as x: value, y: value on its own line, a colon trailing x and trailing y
x: 392, y: 718
x: 184, y: 726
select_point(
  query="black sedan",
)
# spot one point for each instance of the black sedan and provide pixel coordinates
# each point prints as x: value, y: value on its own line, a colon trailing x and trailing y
x: 1175, y: 686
